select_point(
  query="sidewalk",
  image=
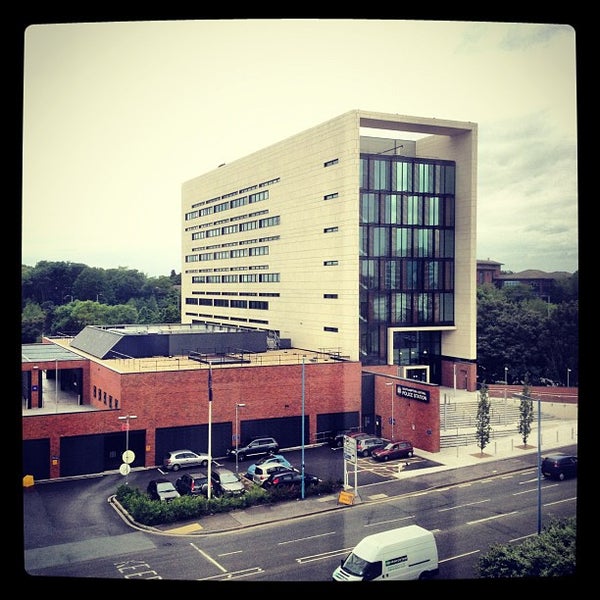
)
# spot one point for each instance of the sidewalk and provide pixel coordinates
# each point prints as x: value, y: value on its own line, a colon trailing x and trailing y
x: 456, y: 465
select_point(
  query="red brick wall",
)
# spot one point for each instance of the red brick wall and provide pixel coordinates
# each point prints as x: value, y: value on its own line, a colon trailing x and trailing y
x: 175, y: 398
x: 416, y: 421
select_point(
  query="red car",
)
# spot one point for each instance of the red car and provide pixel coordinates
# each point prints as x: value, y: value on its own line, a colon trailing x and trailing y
x: 401, y: 449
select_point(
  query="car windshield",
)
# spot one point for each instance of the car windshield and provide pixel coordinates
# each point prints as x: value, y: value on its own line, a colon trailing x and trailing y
x: 228, y: 478
x: 389, y: 446
x: 355, y: 565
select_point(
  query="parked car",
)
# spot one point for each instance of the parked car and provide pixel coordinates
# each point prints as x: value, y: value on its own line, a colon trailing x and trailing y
x: 336, y: 440
x: 192, y: 484
x: 162, y: 489
x: 559, y: 466
x: 278, y: 459
x: 226, y: 482
x: 263, y: 472
x: 367, y: 444
x: 393, y: 450
x: 289, y: 479
x: 259, y: 446
x: 176, y: 459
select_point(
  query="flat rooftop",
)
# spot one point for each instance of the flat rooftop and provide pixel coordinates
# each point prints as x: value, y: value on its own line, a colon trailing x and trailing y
x: 290, y: 356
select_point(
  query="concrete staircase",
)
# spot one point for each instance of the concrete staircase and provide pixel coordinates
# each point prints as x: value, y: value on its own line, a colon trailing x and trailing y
x: 458, y: 421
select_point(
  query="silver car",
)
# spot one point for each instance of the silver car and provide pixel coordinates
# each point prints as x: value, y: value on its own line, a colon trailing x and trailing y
x: 226, y: 482
x: 176, y: 459
x: 263, y: 472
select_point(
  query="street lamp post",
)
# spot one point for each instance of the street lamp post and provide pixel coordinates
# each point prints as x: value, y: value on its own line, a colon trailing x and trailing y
x: 539, y: 456
x: 302, y: 430
x: 539, y: 459
x: 210, y: 397
x: 391, y: 385
x: 568, y: 373
x: 237, y: 432
x: 505, y: 392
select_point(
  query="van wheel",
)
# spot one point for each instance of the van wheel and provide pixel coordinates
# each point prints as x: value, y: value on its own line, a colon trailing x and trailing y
x: 425, y: 575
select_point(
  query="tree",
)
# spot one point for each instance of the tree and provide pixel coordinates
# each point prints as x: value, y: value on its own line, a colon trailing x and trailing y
x: 552, y: 553
x: 32, y: 323
x: 483, y: 428
x: 525, y: 414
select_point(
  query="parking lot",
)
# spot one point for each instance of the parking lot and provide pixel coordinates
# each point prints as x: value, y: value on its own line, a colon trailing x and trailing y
x: 322, y: 461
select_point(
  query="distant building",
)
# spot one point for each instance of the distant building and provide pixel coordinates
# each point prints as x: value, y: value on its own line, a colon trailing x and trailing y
x: 540, y: 282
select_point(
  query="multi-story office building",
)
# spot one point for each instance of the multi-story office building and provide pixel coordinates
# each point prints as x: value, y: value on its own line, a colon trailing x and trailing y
x: 355, y: 237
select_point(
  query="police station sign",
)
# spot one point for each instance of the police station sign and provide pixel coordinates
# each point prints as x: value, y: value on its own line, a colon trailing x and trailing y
x: 412, y: 393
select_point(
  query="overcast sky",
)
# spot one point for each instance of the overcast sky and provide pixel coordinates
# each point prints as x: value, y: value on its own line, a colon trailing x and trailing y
x: 117, y: 116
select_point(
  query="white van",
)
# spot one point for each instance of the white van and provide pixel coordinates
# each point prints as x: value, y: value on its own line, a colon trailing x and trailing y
x: 404, y: 553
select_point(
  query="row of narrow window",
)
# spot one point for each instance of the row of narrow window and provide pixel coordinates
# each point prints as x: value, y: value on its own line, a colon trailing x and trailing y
x: 98, y: 394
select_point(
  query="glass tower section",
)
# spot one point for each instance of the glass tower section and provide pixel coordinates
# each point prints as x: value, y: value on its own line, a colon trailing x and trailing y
x: 407, y: 217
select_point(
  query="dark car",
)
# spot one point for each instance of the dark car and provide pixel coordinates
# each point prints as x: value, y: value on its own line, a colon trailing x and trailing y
x: 162, y: 489
x: 393, y: 450
x: 336, y: 440
x: 365, y: 445
x: 192, y: 484
x: 226, y: 482
x: 559, y: 466
x: 259, y: 446
x: 289, y: 479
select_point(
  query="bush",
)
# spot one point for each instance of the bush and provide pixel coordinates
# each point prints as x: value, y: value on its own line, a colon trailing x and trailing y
x: 154, y: 512
x: 552, y: 553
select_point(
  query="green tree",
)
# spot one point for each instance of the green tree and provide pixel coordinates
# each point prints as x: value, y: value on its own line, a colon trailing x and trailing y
x: 91, y: 285
x: 559, y: 342
x: 552, y: 553
x: 483, y: 428
x: 525, y: 414
x: 33, y: 319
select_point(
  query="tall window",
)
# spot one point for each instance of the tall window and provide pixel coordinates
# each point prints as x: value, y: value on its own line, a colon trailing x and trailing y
x: 407, y: 213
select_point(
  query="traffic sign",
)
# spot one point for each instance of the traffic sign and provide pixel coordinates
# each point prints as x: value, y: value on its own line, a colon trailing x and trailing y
x: 128, y: 456
x: 124, y: 469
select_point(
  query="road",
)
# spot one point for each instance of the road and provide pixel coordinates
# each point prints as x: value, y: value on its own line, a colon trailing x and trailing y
x: 89, y: 539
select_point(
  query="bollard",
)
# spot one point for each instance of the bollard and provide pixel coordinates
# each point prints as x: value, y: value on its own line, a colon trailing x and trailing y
x: 27, y: 481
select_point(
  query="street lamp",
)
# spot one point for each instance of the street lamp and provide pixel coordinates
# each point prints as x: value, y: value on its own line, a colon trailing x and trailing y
x: 237, y: 432
x: 391, y: 384
x: 568, y: 372
x: 210, y: 397
x: 505, y: 386
x: 539, y: 456
x: 302, y: 487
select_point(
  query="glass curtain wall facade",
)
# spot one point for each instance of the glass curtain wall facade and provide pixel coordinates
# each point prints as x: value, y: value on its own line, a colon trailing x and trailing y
x: 407, y: 228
